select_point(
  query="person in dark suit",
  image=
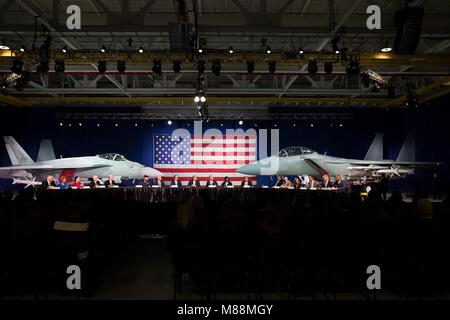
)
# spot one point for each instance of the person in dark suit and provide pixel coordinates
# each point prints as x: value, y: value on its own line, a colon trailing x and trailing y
x: 211, y: 182
x: 146, y: 182
x: 194, y: 182
x: 176, y: 182
x: 246, y: 182
x: 339, y: 183
x: 48, y: 184
x: 110, y: 182
x: 326, y: 183
x: 226, y: 182
x: 95, y: 182
x: 278, y: 182
x: 158, y: 182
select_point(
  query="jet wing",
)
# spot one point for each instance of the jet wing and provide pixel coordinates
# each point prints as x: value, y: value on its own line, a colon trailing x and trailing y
x: 368, y: 164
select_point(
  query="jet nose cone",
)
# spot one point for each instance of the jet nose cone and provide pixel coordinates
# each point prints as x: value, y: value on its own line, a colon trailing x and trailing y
x: 252, y: 169
x: 152, y: 173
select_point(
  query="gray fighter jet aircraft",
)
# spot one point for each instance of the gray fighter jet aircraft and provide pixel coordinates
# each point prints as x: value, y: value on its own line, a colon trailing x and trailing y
x: 294, y: 161
x: 24, y: 170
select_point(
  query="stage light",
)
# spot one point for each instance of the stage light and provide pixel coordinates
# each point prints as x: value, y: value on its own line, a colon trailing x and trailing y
x: 352, y: 67
x: 121, y: 66
x: 311, y: 125
x: 17, y: 66
x: 98, y: 124
x: 116, y: 124
x: 241, y: 122
x: 312, y: 67
x: 43, y: 66
x: 328, y: 68
x: 169, y: 122
x: 250, y: 66
x: 64, y: 49
x: 301, y: 51
x: 201, y: 66
x: 294, y: 125
x: 268, y: 50
x: 23, y: 48
x: 196, y: 99
x: 80, y: 124
x: 272, y: 66
x: 216, y: 67
x: 341, y: 125
x: 176, y: 66
x: 103, y: 49
x: 335, y: 46
x: 102, y: 66
x: 135, y: 124
x: 70, y: 124
x: 386, y: 48
x: 4, y: 46
x: 256, y: 124
x: 61, y: 124
x: 157, y: 68
x: 59, y: 66
x: 231, y: 50
x: 275, y: 125
x: 141, y: 49
x: 200, y: 50
x: 202, y: 99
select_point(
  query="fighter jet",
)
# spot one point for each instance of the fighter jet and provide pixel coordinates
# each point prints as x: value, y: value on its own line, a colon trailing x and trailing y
x: 294, y: 161
x: 24, y: 170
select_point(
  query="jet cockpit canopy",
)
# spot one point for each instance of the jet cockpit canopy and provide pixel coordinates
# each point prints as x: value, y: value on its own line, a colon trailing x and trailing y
x: 294, y: 151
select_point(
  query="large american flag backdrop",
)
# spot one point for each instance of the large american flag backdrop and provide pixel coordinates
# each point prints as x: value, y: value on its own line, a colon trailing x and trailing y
x: 203, y: 156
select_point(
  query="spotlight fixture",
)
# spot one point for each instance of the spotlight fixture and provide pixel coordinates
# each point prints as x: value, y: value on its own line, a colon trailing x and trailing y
x: 103, y: 49
x: 64, y: 49
x: 141, y: 50
x: 43, y: 66
x: 231, y: 50
x: 250, y: 66
x: 200, y: 50
x: 335, y: 46
x: 216, y: 67
x: 200, y: 102
x: 241, y: 122
x: 386, y: 48
x: 328, y: 67
x: 61, y: 124
x: 4, y: 46
x: 116, y: 124
x: 169, y: 122
x: 272, y: 66
x: 312, y: 66
x: 23, y: 48
x: 17, y: 66
x: 157, y: 69
x: 176, y: 66
x: 301, y: 51
x: 201, y: 66
x: 121, y: 66
x: 268, y: 50
x: 102, y: 66
x: 352, y: 68
x: 59, y: 66
x: 80, y: 124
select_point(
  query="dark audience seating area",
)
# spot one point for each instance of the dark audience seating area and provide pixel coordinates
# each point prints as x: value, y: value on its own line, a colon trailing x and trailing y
x: 245, y: 241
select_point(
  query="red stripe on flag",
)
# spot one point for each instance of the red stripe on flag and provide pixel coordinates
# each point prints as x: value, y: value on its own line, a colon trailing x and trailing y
x: 228, y: 137
x: 207, y: 162
x: 198, y: 170
x: 223, y: 145
x: 222, y: 153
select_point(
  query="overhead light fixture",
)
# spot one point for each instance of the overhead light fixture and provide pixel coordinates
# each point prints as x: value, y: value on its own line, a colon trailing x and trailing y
x: 64, y: 49
x: 141, y: 49
x: 250, y: 66
x: 121, y: 66
x: 328, y: 67
x: 200, y: 50
x: 335, y: 45
x: 241, y: 122
x: 169, y: 122
x: 59, y: 66
x: 216, y: 67
x: 387, y: 47
x: 157, y: 68
x: 312, y: 66
x: 103, y: 49
x: 102, y: 66
x: 176, y: 66
x: 231, y: 50
x: 301, y: 51
x: 23, y: 48
x: 4, y: 46
x: 268, y: 50
x: 272, y: 66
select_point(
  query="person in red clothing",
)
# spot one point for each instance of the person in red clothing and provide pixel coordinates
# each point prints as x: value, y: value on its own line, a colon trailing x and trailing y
x: 77, y: 184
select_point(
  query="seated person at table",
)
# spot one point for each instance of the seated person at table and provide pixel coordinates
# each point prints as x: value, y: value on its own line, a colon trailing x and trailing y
x: 226, y: 182
x: 48, y: 184
x: 297, y: 183
x: 110, y: 182
x: 194, y: 182
x: 77, y: 183
x: 278, y: 182
x: 146, y: 182
x: 312, y: 183
x: 176, y: 182
x: 95, y: 182
x: 158, y: 181
x: 286, y: 183
x: 211, y: 182
x: 246, y: 182
x: 339, y: 183
x: 63, y: 183
x: 326, y: 183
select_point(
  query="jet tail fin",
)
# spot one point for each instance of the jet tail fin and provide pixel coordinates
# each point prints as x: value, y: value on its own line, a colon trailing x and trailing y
x: 16, y: 153
x: 408, y: 151
x: 375, y: 151
x: 46, y: 151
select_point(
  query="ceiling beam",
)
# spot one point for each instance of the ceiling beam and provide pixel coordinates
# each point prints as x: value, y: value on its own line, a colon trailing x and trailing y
x: 285, y: 6
x: 141, y: 12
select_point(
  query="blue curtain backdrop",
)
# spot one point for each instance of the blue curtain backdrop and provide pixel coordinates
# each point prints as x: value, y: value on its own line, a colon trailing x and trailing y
x: 430, y: 123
